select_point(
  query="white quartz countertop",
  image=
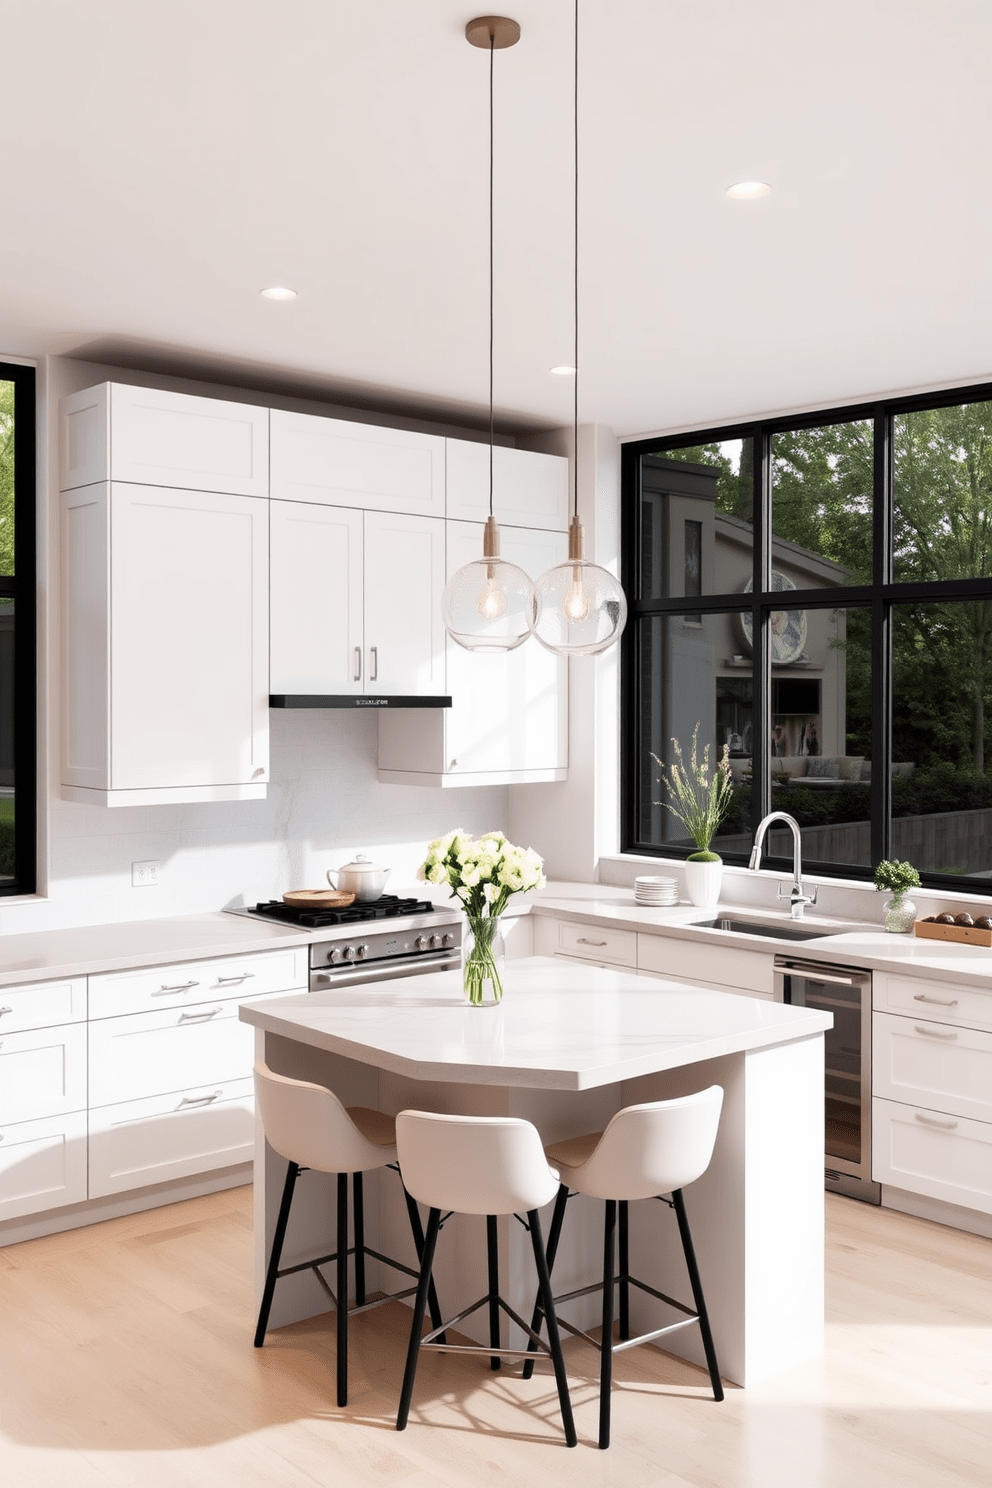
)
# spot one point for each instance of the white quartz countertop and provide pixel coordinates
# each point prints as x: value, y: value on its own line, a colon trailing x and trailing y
x: 843, y: 942
x: 559, y: 1026
x: 93, y: 948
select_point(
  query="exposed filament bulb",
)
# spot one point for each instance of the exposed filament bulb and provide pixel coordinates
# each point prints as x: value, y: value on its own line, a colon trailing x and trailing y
x: 576, y: 604
x: 491, y: 602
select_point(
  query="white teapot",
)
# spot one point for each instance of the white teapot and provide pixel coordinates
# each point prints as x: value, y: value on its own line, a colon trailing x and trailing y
x: 363, y: 879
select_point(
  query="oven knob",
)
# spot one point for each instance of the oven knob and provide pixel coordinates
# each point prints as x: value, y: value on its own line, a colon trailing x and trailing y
x: 422, y: 943
x: 334, y: 956
x: 437, y: 941
x: 361, y: 952
x: 448, y: 939
x: 350, y: 954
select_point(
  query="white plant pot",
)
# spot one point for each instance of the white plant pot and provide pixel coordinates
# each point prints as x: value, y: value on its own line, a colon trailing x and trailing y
x: 702, y: 882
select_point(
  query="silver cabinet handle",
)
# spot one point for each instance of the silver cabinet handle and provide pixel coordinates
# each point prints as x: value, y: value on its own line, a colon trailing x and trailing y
x: 358, y: 665
x: 199, y: 1100
x: 199, y: 1017
x: 226, y: 981
x: 582, y: 941
x: 180, y: 987
x: 374, y: 653
x: 934, y: 1032
x: 932, y: 1121
x: 937, y: 1001
x: 5, y: 1010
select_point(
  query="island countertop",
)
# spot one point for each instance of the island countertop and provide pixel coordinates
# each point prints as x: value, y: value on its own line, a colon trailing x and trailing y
x: 559, y: 1027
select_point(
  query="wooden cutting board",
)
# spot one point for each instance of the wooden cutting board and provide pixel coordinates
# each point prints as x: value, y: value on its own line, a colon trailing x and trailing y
x: 318, y: 899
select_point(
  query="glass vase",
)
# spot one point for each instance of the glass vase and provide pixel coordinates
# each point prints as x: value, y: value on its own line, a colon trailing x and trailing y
x: 900, y: 914
x: 483, y: 959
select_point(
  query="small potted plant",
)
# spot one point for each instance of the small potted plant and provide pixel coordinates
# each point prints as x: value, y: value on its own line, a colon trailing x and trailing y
x: 700, y: 801
x: 895, y: 877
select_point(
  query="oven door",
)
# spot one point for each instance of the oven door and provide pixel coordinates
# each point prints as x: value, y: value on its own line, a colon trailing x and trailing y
x: 361, y: 973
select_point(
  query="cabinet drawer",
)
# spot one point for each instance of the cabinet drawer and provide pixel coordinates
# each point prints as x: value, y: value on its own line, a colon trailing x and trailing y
x: 42, y: 1164
x: 945, y: 1157
x: 43, y: 1073
x: 933, y: 1065
x: 42, y: 1005
x: 592, y: 943
x: 709, y: 965
x: 698, y: 982
x: 154, y: 1053
x: 189, y: 982
x: 948, y: 1001
x: 153, y: 1140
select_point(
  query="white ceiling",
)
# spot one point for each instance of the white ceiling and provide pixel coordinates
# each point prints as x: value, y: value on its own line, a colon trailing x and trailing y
x: 164, y: 160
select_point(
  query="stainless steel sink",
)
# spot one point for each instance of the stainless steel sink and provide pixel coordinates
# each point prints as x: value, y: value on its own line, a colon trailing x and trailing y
x: 762, y: 927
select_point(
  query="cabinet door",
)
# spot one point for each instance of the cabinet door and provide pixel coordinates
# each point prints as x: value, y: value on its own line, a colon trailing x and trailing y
x: 338, y: 463
x: 189, y: 638
x: 42, y: 1164
x: 315, y: 595
x: 928, y: 1152
x: 510, y: 711
x: 934, y: 1065
x: 529, y: 490
x: 404, y: 584
x: 144, y: 435
x: 43, y: 1073
x: 729, y: 969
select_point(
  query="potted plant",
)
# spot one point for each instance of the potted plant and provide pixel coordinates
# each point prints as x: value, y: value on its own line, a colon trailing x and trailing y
x: 895, y: 877
x: 700, y: 801
x: 483, y: 872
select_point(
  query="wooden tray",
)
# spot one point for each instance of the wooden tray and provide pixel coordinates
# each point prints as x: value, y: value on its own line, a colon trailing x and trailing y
x: 966, y: 934
x: 318, y: 899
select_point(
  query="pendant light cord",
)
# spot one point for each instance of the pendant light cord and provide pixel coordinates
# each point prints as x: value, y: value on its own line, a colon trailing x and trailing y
x: 575, y: 389
x: 492, y: 55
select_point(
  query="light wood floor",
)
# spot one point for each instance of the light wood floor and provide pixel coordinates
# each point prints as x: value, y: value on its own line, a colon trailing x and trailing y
x: 126, y: 1360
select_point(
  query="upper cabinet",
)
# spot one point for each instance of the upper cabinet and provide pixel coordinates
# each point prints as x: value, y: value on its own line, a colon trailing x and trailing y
x: 528, y: 490
x: 332, y: 462
x: 355, y: 602
x: 146, y: 437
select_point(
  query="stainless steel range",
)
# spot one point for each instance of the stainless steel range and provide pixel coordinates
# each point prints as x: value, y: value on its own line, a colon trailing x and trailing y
x: 388, y: 937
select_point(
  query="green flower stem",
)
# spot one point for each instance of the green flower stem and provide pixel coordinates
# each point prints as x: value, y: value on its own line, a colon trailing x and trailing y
x: 480, y: 963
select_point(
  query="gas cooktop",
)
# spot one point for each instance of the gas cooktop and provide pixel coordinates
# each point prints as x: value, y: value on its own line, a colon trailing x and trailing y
x: 388, y: 907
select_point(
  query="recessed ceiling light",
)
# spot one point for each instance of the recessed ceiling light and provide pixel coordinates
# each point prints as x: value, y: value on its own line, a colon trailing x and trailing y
x: 748, y: 190
x: 278, y: 292
x: 562, y: 371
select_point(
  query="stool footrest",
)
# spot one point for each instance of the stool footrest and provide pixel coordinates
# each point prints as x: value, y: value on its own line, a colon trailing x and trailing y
x: 428, y: 1339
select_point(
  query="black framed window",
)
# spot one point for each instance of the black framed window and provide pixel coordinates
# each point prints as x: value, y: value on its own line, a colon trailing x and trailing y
x: 18, y: 846
x: 816, y: 594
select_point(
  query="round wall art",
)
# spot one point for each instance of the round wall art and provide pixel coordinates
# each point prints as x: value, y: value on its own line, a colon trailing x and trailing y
x: 788, y: 628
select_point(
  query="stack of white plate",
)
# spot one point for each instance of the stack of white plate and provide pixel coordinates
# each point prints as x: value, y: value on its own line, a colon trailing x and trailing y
x: 650, y: 889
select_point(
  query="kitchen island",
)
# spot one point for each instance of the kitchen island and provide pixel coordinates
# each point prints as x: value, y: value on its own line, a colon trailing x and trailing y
x: 568, y: 1046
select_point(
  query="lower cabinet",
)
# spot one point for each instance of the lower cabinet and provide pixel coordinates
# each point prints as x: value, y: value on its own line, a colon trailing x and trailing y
x: 157, y: 1085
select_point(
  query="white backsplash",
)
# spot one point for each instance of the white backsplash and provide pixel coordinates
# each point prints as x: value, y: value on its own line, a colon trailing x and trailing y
x: 324, y: 804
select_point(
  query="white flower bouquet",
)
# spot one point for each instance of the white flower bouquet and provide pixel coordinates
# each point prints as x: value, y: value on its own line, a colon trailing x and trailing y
x: 482, y: 873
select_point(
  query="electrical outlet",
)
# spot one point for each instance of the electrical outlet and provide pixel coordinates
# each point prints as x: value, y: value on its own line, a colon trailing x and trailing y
x: 145, y: 875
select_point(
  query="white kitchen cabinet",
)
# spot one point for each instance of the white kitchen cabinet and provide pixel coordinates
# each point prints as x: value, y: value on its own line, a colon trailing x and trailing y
x: 355, y: 602
x: 161, y: 1138
x: 187, y: 983
x: 932, y: 1089
x: 148, y: 437
x: 725, y: 969
x: 164, y: 645
x: 508, y: 720
x: 42, y: 1096
x: 529, y: 490
x: 335, y: 462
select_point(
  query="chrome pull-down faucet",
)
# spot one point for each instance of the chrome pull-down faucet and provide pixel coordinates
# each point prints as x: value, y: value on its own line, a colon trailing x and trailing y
x: 797, y: 896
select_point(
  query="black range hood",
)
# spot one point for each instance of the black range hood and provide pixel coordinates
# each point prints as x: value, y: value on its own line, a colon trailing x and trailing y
x: 352, y: 700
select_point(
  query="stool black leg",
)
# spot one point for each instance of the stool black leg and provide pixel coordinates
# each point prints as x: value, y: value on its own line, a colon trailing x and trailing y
x: 358, y: 1225
x: 417, y: 1230
x: 342, y: 1289
x: 493, y: 1254
x: 272, y: 1275
x: 419, y: 1308
x: 698, y: 1299
x: 606, y: 1343
x: 554, y: 1235
x: 554, y: 1336
x: 624, y: 1272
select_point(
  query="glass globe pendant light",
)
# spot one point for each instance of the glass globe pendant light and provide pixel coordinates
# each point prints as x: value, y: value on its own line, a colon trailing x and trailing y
x: 490, y: 605
x: 581, y: 607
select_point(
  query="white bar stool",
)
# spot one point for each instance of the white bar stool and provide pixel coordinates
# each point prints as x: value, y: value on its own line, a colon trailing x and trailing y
x: 308, y: 1125
x: 647, y: 1151
x: 479, y: 1165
